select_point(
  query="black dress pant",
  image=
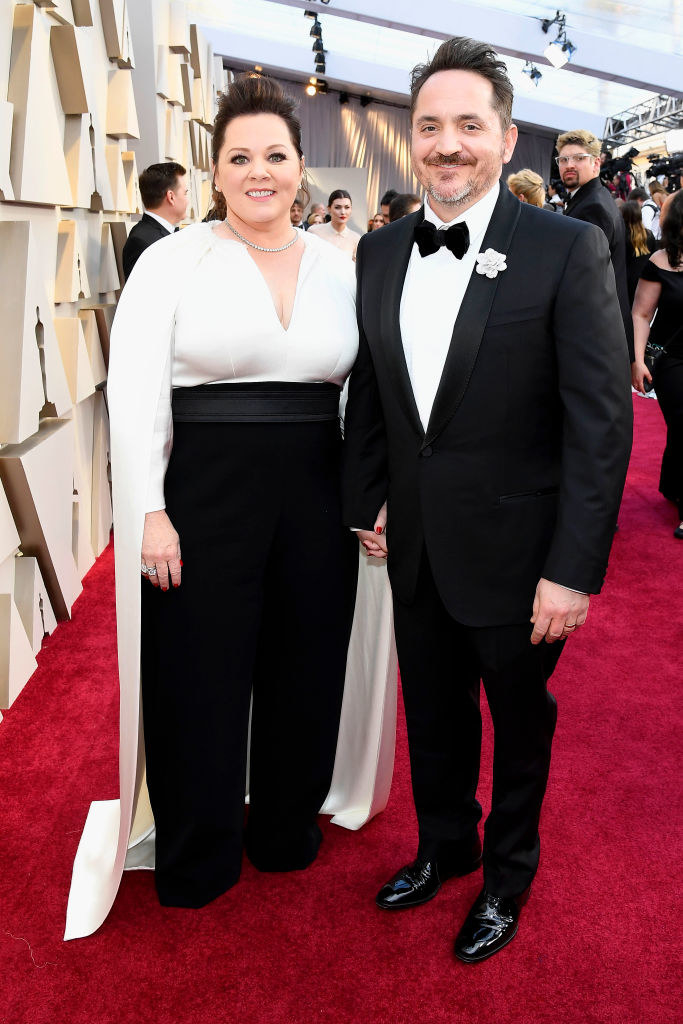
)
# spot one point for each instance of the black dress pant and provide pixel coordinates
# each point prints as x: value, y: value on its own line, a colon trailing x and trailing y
x: 668, y: 382
x: 442, y: 663
x: 264, y: 608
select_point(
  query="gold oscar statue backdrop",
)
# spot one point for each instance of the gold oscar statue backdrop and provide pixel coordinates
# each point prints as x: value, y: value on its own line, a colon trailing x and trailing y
x: 90, y: 92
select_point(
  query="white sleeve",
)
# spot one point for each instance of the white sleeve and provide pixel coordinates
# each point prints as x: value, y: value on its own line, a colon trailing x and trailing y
x: 648, y: 215
x: 162, y: 442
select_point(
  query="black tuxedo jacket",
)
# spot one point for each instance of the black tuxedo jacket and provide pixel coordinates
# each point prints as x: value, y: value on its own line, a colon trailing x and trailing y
x: 520, y: 472
x: 594, y: 204
x: 144, y: 233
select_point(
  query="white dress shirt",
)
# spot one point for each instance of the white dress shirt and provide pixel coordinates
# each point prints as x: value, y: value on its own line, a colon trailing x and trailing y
x: 227, y: 331
x: 433, y: 291
x: 164, y: 223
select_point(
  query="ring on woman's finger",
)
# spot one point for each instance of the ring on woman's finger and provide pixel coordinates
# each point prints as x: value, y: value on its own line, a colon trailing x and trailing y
x: 152, y: 570
x: 143, y: 568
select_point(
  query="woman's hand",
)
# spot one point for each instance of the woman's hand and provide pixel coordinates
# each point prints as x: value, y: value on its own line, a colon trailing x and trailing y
x: 375, y: 543
x: 161, y: 550
x: 639, y: 374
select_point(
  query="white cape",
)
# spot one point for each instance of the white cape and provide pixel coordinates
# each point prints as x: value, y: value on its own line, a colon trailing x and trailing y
x: 119, y: 833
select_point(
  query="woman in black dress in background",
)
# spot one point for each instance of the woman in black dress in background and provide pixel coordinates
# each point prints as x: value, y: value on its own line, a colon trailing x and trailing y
x: 640, y: 244
x: 660, y: 291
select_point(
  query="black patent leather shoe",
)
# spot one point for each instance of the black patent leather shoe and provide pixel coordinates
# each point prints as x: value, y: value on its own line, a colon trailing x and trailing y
x: 420, y: 881
x: 490, y: 925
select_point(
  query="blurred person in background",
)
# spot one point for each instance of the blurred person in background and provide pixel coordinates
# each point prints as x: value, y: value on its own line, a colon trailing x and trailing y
x: 660, y: 292
x: 337, y: 231
x: 579, y: 163
x: 403, y: 204
x: 385, y: 203
x: 376, y: 222
x: 640, y: 244
x: 554, y: 195
x: 165, y: 196
x: 648, y: 208
x: 528, y: 187
x: 296, y: 215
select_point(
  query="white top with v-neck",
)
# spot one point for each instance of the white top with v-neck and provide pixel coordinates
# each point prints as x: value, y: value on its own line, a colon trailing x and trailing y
x: 227, y: 331
x: 433, y: 291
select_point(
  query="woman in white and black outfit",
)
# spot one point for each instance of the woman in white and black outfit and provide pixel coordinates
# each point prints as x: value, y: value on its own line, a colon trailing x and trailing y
x: 242, y: 483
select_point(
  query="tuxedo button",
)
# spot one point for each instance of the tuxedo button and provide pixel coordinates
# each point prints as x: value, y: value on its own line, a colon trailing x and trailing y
x: 426, y: 452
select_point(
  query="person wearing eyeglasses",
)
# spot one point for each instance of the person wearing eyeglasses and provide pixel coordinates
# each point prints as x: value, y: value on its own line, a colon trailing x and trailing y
x: 579, y: 162
x: 166, y: 197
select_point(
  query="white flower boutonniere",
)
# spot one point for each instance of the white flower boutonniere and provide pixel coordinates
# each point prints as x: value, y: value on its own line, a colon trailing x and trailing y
x: 491, y: 263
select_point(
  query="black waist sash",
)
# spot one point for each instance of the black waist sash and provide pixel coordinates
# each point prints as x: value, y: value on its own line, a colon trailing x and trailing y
x: 256, y: 403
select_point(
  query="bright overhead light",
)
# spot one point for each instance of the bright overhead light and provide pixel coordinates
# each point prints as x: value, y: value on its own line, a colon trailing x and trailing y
x: 310, y: 89
x: 555, y: 55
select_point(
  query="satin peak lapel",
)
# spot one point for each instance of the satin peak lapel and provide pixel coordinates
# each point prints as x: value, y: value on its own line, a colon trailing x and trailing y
x: 394, y: 274
x: 471, y: 322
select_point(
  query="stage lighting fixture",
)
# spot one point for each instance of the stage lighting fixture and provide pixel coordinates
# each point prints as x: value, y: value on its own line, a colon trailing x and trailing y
x: 532, y: 71
x: 316, y: 30
x: 318, y: 46
x: 310, y: 89
x: 320, y: 65
x: 558, y: 20
x: 343, y: 97
x: 323, y: 88
x: 311, y: 14
x: 324, y: 1
x: 365, y: 101
x: 561, y: 50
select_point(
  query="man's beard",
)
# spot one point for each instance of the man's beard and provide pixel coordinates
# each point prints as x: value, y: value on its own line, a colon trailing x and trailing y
x: 472, y: 189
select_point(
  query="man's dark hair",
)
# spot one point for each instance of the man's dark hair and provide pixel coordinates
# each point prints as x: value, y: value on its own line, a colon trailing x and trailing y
x: 402, y: 204
x: 463, y: 54
x: 390, y: 194
x: 639, y: 193
x: 156, y: 180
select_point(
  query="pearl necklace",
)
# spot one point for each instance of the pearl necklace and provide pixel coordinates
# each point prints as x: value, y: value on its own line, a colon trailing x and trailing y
x: 261, y: 248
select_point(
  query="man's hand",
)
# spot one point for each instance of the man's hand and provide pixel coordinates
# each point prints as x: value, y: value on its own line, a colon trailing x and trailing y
x: 557, y: 613
x: 375, y: 544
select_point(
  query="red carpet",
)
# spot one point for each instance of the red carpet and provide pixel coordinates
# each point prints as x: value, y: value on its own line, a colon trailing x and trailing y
x: 598, y: 942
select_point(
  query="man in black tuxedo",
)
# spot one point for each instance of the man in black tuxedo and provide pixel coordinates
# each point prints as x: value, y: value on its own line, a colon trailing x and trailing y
x: 164, y: 193
x: 579, y: 162
x: 490, y: 407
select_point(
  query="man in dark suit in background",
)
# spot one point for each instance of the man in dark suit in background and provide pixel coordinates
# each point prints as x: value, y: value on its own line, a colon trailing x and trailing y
x: 579, y: 162
x: 490, y: 407
x: 164, y: 192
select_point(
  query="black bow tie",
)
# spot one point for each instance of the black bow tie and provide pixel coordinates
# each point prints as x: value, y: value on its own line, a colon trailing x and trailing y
x: 430, y: 239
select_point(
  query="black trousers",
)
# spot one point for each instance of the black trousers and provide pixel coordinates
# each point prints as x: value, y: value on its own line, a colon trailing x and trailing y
x: 668, y: 381
x: 264, y: 608
x: 442, y: 663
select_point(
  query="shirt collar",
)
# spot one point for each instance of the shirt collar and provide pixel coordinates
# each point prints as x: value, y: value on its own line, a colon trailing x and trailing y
x: 477, y: 216
x: 164, y: 223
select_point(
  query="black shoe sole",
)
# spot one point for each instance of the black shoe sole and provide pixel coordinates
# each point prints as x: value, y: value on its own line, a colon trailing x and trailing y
x: 418, y: 903
x: 479, y: 959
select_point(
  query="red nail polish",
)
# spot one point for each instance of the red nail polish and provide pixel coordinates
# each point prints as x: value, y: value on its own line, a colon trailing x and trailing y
x: 175, y: 586
x: 378, y: 529
x: 181, y: 562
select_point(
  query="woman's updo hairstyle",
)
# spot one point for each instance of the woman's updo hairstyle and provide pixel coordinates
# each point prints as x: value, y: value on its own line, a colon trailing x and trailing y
x: 339, y: 193
x: 252, y: 94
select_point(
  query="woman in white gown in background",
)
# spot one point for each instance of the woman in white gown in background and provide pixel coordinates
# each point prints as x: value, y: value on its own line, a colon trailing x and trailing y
x: 224, y: 449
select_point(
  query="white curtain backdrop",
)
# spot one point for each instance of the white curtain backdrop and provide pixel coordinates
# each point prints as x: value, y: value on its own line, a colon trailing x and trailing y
x: 348, y: 135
